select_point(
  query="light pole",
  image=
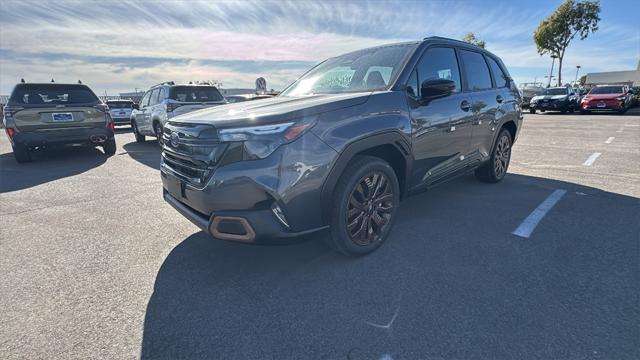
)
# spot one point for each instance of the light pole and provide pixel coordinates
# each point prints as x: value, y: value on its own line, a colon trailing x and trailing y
x: 577, y: 71
x: 553, y: 62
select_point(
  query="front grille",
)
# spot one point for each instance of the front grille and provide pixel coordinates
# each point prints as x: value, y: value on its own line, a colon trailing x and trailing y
x: 192, y: 159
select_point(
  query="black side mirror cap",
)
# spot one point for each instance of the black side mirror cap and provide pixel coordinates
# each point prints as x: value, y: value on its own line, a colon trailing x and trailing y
x: 436, y: 88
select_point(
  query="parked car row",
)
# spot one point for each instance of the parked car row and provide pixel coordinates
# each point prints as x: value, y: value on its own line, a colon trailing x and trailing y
x: 600, y: 98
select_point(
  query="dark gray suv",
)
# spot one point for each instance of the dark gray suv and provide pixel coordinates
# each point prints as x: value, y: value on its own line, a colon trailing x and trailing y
x: 339, y: 148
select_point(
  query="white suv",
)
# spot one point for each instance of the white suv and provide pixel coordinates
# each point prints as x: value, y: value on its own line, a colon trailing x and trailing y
x: 164, y: 101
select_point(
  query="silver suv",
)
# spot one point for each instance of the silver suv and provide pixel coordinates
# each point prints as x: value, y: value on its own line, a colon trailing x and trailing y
x: 166, y: 100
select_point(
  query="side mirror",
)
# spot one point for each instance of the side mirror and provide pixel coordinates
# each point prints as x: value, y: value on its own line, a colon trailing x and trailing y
x: 631, y: 91
x: 437, y: 88
x: 136, y: 106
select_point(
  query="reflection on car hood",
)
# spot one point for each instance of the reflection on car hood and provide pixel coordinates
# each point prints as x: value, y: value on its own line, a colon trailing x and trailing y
x: 276, y: 109
x: 549, y: 97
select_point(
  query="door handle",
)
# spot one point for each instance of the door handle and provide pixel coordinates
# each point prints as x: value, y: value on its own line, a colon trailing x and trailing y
x: 465, y: 105
x: 499, y: 99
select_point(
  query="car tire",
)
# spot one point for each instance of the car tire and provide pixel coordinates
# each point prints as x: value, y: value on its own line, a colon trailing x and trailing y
x: 21, y: 154
x: 136, y: 133
x: 532, y: 111
x: 496, y: 168
x: 157, y: 131
x: 109, y: 147
x: 367, y: 190
x: 584, y: 112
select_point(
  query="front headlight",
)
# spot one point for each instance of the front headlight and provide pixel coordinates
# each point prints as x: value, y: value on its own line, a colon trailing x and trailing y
x: 261, y: 141
x: 621, y: 98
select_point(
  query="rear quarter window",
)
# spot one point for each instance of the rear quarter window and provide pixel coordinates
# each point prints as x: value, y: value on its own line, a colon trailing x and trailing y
x: 53, y: 94
x: 475, y: 70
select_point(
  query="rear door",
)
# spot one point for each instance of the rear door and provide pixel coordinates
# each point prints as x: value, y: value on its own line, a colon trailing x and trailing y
x: 441, y: 128
x: 149, y: 110
x: 55, y: 106
x: 486, y: 102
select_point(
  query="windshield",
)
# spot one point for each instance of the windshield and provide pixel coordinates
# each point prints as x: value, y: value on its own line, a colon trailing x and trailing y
x: 195, y: 94
x: 120, y: 104
x: 364, y: 70
x: 555, y: 91
x: 607, y: 90
x: 52, y: 94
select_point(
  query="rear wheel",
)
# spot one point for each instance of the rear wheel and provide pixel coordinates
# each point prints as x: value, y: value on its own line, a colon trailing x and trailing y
x: 496, y: 168
x: 532, y: 111
x: 365, y: 204
x: 109, y: 147
x: 157, y: 130
x: 584, y: 112
x: 21, y: 154
x: 136, y: 133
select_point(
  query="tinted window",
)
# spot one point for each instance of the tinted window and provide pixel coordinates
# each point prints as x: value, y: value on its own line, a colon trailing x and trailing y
x: 52, y: 94
x: 154, y: 96
x: 499, y: 76
x: 439, y: 63
x: 120, y: 104
x: 195, y: 94
x: 607, y: 90
x: 555, y: 91
x: 412, y: 84
x: 475, y: 70
x: 145, y: 99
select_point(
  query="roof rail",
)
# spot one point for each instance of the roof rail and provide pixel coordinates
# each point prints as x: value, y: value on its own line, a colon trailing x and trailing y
x: 164, y: 83
x: 448, y: 39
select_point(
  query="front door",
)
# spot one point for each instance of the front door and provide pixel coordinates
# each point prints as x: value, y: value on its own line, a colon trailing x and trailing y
x: 441, y: 128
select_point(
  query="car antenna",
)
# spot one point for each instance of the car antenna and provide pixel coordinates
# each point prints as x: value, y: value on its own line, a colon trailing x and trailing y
x: 52, y: 80
x: 22, y: 81
x: 79, y: 81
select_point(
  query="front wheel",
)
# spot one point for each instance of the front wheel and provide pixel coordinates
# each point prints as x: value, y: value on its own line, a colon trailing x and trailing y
x: 157, y: 130
x: 365, y: 205
x: 532, y: 111
x: 136, y: 133
x: 496, y: 168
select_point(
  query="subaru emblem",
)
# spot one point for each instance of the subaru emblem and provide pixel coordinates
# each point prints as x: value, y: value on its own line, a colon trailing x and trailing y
x: 175, y: 139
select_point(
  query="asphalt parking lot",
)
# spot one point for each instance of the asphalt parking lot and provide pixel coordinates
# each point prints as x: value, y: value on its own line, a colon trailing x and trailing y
x: 95, y: 265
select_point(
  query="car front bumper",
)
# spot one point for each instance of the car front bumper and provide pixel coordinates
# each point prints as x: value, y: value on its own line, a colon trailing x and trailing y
x: 552, y: 105
x: 290, y: 180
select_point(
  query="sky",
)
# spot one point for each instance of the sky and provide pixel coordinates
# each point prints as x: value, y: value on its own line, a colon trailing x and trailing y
x: 120, y: 46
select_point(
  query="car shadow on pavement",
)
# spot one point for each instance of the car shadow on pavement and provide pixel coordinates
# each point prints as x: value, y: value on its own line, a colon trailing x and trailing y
x: 451, y: 282
x: 47, y: 165
x: 146, y: 153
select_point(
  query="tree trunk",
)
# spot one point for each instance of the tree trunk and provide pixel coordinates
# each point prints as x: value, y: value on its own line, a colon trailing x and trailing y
x: 560, y: 69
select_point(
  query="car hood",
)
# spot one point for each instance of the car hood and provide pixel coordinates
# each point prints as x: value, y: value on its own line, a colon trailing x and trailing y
x: 549, y: 97
x: 602, y: 96
x: 270, y: 110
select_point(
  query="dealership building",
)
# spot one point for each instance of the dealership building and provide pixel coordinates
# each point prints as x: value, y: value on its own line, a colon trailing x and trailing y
x: 630, y: 77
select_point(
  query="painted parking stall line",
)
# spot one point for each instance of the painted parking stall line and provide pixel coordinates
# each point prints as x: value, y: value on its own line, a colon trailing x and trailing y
x: 609, y: 140
x: 591, y: 159
x: 531, y: 222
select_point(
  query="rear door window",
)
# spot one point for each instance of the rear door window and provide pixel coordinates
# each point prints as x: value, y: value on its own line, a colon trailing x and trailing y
x: 475, y: 71
x: 196, y: 94
x: 154, y: 97
x: 53, y: 94
x: 499, y: 77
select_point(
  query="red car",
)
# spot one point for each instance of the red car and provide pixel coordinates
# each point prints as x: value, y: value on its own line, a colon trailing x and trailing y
x: 607, y: 97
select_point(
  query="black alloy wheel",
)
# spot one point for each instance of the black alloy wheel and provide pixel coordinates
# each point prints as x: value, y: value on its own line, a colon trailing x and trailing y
x: 502, y: 156
x: 369, y: 209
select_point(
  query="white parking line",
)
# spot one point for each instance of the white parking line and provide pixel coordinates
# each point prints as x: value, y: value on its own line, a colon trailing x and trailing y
x: 591, y: 159
x: 529, y: 224
x: 609, y: 140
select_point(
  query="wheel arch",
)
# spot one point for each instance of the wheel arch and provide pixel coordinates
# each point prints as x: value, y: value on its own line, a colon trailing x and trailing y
x: 390, y: 146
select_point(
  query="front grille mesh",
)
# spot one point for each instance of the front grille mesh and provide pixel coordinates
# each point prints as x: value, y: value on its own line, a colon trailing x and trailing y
x: 192, y: 160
